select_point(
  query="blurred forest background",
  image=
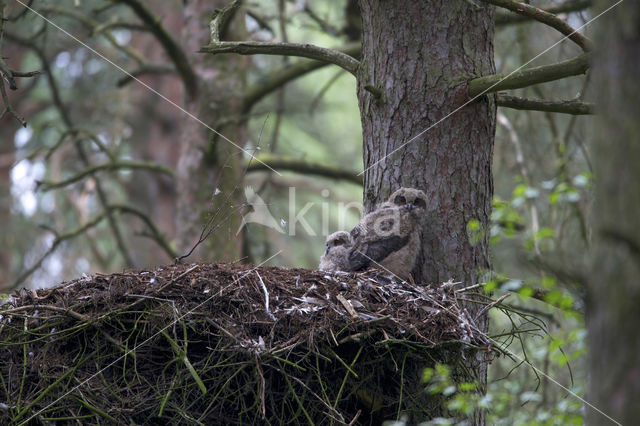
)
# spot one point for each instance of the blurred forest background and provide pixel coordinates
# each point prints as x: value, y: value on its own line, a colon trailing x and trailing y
x: 93, y: 182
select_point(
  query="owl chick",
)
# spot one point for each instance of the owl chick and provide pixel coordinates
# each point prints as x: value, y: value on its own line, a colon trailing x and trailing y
x: 335, y: 257
x: 390, y: 236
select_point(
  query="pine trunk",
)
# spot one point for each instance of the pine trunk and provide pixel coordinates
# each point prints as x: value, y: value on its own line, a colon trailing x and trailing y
x: 613, y: 312
x: 417, y: 56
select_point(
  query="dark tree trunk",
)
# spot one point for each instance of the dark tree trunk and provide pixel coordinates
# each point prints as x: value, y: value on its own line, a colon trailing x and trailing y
x: 419, y: 54
x: 613, y: 312
x: 209, y: 169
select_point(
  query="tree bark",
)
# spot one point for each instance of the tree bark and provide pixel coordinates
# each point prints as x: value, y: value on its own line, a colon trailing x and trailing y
x: 419, y: 55
x: 614, y: 285
x: 209, y: 168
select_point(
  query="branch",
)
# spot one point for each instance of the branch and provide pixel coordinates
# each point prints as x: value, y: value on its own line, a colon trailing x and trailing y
x: 219, y: 24
x: 546, y: 18
x: 92, y: 25
x: 172, y: 48
x: 91, y: 170
x: 66, y: 118
x: 517, y: 80
x: 506, y: 18
x: 336, y: 57
x: 6, y: 73
x: 564, y: 107
x: 155, y: 234
x: 143, y: 70
x: 7, y: 106
x: 279, y: 78
x: 58, y: 240
x: 304, y: 167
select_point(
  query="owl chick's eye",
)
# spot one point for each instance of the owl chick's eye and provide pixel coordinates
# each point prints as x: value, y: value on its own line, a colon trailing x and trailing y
x: 419, y: 202
x: 400, y: 200
x: 338, y: 243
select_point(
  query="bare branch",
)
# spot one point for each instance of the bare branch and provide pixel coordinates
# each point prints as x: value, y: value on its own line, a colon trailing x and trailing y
x: 262, y: 23
x: 56, y: 242
x: 280, y: 77
x: 173, y: 49
x: 66, y: 118
x: 336, y: 57
x: 7, y: 106
x: 304, y: 167
x: 506, y: 18
x: 91, y: 170
x: 564, y: 107
x: 546, y: 18
x: 92, y: 25
x: 494, y: 83
x: 155, y: 234
x: 324, y: 25
x: 6, y: 73
x: 144, y: 70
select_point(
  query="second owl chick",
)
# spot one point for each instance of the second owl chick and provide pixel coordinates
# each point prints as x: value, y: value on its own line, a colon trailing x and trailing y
x: 335, y: 257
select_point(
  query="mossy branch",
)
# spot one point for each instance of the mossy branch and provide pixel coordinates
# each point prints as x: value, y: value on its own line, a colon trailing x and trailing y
x: 564, y: 107
x: 527, y: 77
x: 91, y: 170
x: 280, y: 77
x: 506, y: 18
x: 304, y: 167
x: 546, y: 18
x: 310, y: 51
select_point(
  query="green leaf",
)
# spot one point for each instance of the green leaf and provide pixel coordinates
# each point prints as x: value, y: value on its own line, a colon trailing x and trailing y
x: 519, y: 191
x: 526, y: 291
x: 548, y: 282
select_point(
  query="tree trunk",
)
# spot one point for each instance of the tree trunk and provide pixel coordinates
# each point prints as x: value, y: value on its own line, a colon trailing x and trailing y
x: 419, y: 55
x: 209, y: 169
x: 613, y: 299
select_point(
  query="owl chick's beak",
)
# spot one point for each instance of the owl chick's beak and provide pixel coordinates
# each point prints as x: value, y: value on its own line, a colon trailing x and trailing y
x: 326, y: 250
x: 409, y: 206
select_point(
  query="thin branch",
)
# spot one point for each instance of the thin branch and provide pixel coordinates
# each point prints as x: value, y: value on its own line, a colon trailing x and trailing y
x: 280, y: 77
x: 304, y: 167
x: 506, y: 18
x: 91, y: 170
x: 336, y: 57
x: 324, y: 25
x: 92, y: 25
x: 66, y: 118
x: 144, y: 70
x: 546, y: 18
x: 26, y: 73
x: 20, y: 13
x: 78, y: 136
x: 155, y: 234
x: 173, y: 49
x: 6, y: 73
x: 262, y: 23
x: 564, y: 107
x: 7, y: 106
x: 58, y: 240
x: 497, y: 82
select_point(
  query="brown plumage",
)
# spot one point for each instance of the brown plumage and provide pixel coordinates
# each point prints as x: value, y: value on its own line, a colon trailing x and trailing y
x: 335, y: 257
x: 390, y: 236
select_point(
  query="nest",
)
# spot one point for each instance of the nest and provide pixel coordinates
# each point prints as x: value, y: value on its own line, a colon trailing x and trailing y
x: 227, y: 343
